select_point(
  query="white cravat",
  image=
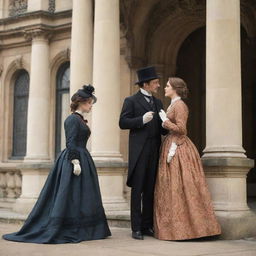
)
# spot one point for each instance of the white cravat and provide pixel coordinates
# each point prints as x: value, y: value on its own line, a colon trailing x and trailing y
x: 146, y: 93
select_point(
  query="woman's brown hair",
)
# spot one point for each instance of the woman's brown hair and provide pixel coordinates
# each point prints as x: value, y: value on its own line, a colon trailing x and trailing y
x: 179, y: 86
x: 76, y: 99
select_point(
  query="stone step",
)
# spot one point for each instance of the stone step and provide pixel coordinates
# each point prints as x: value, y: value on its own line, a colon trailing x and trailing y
x: 119, y: 219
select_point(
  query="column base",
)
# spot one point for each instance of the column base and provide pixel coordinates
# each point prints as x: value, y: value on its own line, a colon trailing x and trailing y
x: 237, y: 224
x: 33, y: 178
x: 112, y: 177
x: 231, y: 151
x: 107, y: 157
x: 226, y: 179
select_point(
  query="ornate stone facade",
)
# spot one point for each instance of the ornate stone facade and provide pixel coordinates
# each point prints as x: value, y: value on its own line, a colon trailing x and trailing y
x: 51, y: 6
x: 17, y: 7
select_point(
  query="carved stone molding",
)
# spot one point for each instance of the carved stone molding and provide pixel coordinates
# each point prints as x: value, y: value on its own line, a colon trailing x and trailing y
x: 17, y: 7
x: 51, y: 6
x: 38, y: 33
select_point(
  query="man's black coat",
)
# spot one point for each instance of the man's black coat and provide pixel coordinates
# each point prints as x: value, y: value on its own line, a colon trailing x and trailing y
x: 134, y: 108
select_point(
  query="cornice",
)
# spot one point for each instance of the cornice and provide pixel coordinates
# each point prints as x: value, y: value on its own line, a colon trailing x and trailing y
x: 35, y: 15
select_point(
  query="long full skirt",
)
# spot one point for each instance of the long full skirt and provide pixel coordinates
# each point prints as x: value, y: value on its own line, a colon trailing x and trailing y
x: 183, y: 207
x: 69, y: 208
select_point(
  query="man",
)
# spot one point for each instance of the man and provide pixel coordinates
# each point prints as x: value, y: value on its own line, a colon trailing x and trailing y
x: 140, y: 115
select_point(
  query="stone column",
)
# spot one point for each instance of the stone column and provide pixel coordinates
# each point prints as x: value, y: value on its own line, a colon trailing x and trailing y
x: 81, y: 44
x: 39, y: 98
x: 37, y: 161
x: 224, y: 158
x: 105, y: 145
x: 106, y: 79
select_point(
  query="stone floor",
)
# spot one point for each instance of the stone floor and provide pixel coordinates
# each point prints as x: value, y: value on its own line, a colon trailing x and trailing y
x: 121, y: 244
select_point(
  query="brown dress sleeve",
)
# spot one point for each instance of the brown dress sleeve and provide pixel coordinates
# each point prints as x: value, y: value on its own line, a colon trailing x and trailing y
x: 179, y: 124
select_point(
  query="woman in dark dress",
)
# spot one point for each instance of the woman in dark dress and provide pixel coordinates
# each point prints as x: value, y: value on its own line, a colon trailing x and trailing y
x: 69, y: 208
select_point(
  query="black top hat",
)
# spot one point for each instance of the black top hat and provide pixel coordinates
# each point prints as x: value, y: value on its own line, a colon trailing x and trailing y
x: 87, y: 92
x: 146, y: 74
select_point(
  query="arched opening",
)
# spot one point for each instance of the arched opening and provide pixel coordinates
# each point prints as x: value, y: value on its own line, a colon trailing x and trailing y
x: 62, y: 104
x: 248, y: 59
x: 20, y: 111
x: 191, y: 67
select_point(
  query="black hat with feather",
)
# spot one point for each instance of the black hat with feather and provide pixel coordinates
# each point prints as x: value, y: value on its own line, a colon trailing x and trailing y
x: 87, y: 92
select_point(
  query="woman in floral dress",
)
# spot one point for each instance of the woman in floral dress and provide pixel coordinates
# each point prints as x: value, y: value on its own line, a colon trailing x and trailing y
x: 183, y: 208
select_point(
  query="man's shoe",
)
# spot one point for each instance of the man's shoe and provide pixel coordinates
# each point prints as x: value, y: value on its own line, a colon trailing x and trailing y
x: 148, y: 232
x: 137, y: 235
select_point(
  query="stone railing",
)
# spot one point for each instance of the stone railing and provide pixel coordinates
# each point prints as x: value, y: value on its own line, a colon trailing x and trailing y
x: 10, y: 184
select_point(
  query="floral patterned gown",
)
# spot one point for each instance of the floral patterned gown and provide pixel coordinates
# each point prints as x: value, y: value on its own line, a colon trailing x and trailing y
x: 183, y: 208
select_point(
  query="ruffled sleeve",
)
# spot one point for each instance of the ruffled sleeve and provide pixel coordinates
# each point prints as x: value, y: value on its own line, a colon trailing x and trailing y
x: 71, y: 126
x: 179, y: 126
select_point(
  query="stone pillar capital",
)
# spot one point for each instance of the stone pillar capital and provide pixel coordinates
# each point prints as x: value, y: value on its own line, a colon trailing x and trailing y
x: 38, y: 34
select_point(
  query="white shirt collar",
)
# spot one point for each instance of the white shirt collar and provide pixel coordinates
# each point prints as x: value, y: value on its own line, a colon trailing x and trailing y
x: 145, y: 92
x: 175, y: 99
x: 81, y: 113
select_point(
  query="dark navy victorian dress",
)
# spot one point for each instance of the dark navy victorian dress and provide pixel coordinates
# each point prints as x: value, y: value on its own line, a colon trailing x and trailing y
x: 69, y: 208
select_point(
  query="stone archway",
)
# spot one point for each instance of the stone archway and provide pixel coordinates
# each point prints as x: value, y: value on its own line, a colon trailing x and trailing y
x: 191, y: 67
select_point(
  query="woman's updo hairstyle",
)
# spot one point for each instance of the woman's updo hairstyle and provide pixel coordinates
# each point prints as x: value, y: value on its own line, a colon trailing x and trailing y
x: 83, y: 95
x: 75, y: 100
x: 179, y: 86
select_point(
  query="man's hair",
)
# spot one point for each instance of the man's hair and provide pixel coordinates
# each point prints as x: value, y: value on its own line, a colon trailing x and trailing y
x: 142, y: 83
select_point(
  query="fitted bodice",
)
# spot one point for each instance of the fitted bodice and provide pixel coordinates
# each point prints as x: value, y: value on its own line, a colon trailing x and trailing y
x: 176, y: 124
x: 77, y: 134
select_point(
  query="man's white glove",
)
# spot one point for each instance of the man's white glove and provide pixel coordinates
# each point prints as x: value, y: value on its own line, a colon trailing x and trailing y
x: 163, y: 115
x: 147, y: 117
x: 171, y: 152
x: 77, y: 167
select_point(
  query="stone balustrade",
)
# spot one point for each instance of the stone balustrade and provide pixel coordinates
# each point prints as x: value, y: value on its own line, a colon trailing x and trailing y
x: 10, y: 185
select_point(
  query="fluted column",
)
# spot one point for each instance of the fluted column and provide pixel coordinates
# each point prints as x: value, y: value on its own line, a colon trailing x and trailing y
x: 39, y: 98
x: 106, y: 79
x: 224, y: 159
x: 81, y: 44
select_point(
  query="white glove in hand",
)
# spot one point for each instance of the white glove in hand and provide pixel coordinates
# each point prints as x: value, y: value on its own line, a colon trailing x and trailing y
x: 77, y: 167
x: 147, y: 117
x: 171, y: 152
x: 163, y: 115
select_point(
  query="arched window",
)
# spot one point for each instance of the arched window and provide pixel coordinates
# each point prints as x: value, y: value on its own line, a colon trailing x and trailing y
x: 62, y: 104
x: 20, y: 111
